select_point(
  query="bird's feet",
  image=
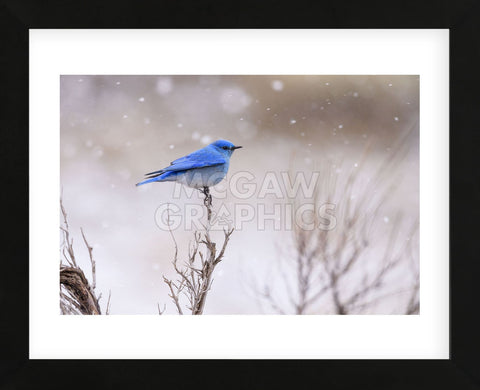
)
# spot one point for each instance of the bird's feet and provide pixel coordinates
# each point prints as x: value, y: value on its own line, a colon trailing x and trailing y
x: 208, y: 197
x: 207, y: 202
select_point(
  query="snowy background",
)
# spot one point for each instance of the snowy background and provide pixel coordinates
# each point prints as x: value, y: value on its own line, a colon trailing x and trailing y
x: 114, y: 129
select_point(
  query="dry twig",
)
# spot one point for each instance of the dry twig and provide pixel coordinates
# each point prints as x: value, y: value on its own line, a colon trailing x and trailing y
x: 195, y: 278
x: 77, y: 295
x: 337, y: 270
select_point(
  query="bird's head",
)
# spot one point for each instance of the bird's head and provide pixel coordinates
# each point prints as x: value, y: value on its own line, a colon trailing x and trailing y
x: 224, y: 147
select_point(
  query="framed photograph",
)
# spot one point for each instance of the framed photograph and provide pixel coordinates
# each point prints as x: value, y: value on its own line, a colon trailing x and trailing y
x: 276, y: 196
x: 243, y: 194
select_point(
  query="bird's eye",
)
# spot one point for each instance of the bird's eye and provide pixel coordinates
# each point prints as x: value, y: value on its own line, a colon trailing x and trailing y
x: 225, y: 147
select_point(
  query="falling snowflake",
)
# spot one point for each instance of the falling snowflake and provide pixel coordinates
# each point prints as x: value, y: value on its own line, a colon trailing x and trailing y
x: 164, y: 85
x: 98, y: 152
x: 206, y: 139
x: 277, y: 85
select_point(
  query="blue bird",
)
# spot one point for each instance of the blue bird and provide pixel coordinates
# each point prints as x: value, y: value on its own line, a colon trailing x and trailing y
x: 201, y: 169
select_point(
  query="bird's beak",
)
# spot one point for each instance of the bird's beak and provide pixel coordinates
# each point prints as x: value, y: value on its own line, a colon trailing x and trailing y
x: 237, y: 147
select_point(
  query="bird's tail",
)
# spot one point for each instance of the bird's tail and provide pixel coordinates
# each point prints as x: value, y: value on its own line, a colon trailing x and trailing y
x: 160, y: 175
x: 151, y: 180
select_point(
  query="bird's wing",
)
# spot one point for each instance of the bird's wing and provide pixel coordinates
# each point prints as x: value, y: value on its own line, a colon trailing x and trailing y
x: 199, y: 159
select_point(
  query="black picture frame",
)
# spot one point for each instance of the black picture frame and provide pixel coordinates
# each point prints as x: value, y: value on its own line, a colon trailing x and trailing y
x: 460, y: 371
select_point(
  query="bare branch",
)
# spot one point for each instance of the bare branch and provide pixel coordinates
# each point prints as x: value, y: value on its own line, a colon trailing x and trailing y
x: 160, y: 312
x: 107, y: 310
x: 195, y: 278
x: 174, y: 294
x: 92, y: 262
x: 75, y: 282
x: 345, y: 269
x: 77, y: 295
